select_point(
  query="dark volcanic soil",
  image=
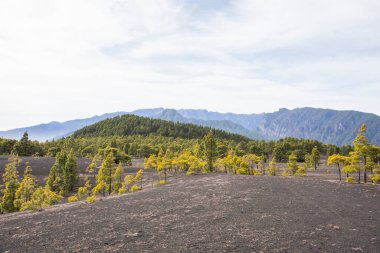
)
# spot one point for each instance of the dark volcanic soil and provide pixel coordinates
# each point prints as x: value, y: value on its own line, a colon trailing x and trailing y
x: 40, y: 166
x: 213, y: 213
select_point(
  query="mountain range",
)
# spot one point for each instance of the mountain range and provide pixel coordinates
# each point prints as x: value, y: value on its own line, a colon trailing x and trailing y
x: 326, y: 125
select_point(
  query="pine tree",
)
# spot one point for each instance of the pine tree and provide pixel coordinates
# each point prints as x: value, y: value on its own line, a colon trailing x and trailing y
x: 105, y: 174
x: 150, y: 162
x: 210, y: 150
x: 292, y: 164
x: 10, y: 180
x: 308, y: 161
x: 272, y: 168
x: 24, y: 146
x: 315, y: 156
x: 26, y: 188
x: 139, y: 177
x: 64, y: 174
x: 117, y: 178
x: 55, y: 180
x: 41, y: 197
x: 352, y: 166
x: 361, y: 147
x: 70, y: 172
x: 339, y: 161
x: 128, y: 180
x: 163, y: 165
x: 91, y: 169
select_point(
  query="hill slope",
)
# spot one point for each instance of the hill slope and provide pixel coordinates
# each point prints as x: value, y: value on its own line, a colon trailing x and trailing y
x: 134, y: 125
x: 213, y: 213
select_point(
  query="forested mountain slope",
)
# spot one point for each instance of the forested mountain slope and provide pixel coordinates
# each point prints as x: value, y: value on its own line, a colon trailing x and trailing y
x: 134, y: 125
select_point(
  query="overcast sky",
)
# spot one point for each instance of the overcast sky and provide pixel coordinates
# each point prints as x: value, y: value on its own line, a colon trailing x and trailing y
x: 67, y: 59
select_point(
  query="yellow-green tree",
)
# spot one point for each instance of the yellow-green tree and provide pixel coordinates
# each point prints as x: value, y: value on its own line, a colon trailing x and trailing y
x: 128, y: 181
x: 353, y: 165
x: 243, y: 168
x: 26, y: 189
x: 308, y: 161
x: 117, y: 178
x: 164, y: 164
x: 104, y: 177
x: 315, y: 157
x: 41, y: 197
x: 272, y: 168
x: 375, y: 177
x: 252, y: 160
x: 139, y: 177
x: 10, y: 180
x: 222, y: 164
x: 108, y: 167
x: 339, y: 161
x: 292, y: 164
x: 210, y: 150
x: 151, y: 162
x: 361, y: 147
x: 91, y: 169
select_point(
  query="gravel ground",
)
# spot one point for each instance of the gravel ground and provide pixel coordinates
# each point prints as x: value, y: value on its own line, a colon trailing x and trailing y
x: 208, y: 213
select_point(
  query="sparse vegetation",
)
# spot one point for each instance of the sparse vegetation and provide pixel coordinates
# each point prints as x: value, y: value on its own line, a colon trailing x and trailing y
x: 213, y: 152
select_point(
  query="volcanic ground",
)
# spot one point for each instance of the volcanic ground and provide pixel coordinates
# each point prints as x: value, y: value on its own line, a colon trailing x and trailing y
x: 208, y: 213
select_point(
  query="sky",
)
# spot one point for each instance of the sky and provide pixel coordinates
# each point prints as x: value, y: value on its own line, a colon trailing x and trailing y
x: 61, y: 60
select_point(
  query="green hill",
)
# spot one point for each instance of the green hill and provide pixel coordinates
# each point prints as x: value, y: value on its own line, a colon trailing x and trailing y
x: 128, y: 125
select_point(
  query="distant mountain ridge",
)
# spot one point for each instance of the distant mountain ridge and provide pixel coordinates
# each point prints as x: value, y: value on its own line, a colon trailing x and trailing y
x: 326, y: 125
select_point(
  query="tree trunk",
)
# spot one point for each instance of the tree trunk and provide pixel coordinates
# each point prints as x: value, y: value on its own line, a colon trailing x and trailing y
x: 110, y: 183
x: 365, y: 170
x: 359, y: 177
x: 165, y: 174
x: 340, y: 176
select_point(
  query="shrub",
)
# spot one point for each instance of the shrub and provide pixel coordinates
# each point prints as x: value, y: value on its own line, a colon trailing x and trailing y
x: 42, y: 197
x: 161, y: 182
x: 90, y: 199
x: 122, y: 190
x: 82, y: 192
x: 257, y: 172
x: 350, y: 180
x: 375, y: 177
x: 137, y: 188
x: 285, y: 173
x: 241, y: 171
x: 72, y: 199
x: 190, y: 173
x: 272, y: 168
x: 301, y: 172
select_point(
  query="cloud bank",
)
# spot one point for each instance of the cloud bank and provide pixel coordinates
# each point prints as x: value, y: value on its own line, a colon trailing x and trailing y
x: 68, y: 59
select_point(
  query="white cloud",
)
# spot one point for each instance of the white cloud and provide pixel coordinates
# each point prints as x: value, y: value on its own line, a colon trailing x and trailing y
x: 67, y: 59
